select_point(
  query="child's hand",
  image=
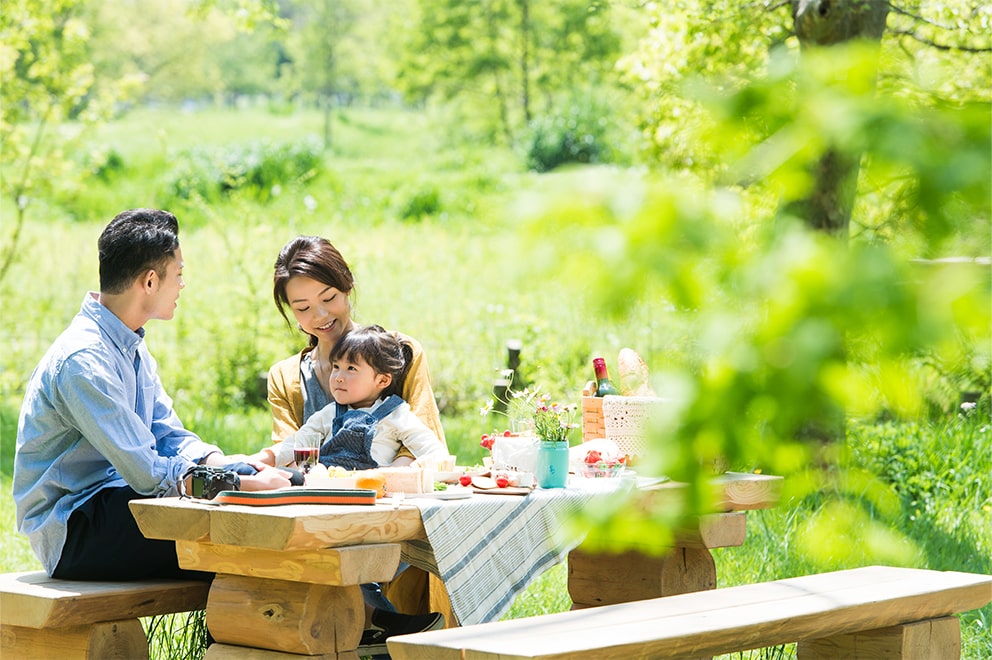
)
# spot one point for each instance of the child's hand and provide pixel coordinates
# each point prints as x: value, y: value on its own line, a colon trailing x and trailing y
x: 263, y: 457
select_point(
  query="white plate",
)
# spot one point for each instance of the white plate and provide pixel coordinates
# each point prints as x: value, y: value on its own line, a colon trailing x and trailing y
x: 448, y: 477
x: 449, y: 494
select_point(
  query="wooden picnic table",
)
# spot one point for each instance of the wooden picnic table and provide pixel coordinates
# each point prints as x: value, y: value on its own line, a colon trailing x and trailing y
x: 287, y: 577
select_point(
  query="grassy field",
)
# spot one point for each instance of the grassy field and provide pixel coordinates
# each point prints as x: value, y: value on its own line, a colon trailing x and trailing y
x: 463, y: 280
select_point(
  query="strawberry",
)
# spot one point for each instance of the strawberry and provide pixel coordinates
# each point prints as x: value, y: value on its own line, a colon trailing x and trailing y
x: 502, y: 482
x: 593, y: 457
x: 465, y: 479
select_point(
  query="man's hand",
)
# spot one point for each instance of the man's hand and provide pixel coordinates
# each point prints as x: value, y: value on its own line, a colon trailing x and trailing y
x: 267, y: 478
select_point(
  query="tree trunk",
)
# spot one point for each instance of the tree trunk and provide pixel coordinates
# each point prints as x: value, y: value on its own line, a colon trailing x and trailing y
x: 501, y: 100
x: 820, y: 23
x: 327, y: 103
x: 827, y: 207
x: 829, y: 22
x: 525, y: 58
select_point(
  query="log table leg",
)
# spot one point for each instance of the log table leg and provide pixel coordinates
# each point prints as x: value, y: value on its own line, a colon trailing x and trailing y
x: 266, y: 603
x: 287, y: 617
x: 596, y: 578
x: 606, y: 579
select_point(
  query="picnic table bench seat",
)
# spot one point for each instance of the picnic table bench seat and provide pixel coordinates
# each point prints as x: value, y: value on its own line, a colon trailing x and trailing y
x: 43, y: 617
x: 871, y: 612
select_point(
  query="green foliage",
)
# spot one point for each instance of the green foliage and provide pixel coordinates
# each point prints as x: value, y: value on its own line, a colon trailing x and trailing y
x: 936, y: 475
x: 504, y: 61
x: 425, y: 201
x: 577, y: 134
x: 930, y: 465
x: 790, y: 328
x: 181, y: 635
x: 259, y: 168
x: 107, y: 165
x: 947, y: 464
x: 47, y: 80
x: 731, y: 44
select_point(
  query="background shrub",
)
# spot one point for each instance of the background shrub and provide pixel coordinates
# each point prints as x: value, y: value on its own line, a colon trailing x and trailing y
x: 578, y: 134
x: 259, y: 168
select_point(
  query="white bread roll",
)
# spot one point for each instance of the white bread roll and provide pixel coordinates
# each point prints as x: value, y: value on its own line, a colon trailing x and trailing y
x: 634, y: 378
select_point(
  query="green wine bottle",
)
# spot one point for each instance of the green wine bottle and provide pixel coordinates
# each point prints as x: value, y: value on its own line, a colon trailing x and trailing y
x: 604, y: 385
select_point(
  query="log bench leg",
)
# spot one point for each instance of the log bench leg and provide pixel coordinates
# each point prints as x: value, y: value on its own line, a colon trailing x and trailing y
x: 230, y: 652
x: 934, y: 639
x: 108, y: 639
x: 607, y: 579
x: 278, y: 617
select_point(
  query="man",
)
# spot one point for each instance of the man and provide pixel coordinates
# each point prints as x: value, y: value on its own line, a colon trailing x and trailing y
x: 97, y: 429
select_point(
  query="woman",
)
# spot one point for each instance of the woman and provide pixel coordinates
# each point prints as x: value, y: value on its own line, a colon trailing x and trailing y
x: 314, y: 282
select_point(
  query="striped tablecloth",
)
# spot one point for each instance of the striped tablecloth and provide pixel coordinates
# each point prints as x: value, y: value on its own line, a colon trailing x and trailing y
x: 489, y: 548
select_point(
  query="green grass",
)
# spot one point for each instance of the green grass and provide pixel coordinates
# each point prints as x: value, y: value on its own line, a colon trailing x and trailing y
x: 945, y: 510
x: 463, y: 282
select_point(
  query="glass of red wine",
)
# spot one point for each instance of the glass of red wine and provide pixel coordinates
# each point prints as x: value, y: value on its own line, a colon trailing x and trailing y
x: 306, y: 452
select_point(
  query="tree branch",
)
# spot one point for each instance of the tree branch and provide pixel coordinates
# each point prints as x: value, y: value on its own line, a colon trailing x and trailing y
x: 916, y: 17
x: 934, y: 44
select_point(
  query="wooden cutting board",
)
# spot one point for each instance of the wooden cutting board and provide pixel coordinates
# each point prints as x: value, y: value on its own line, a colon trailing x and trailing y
x: 487, y: 486
x: 509, y: 490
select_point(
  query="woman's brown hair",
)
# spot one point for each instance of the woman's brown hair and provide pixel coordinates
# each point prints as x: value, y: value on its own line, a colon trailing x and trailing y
x: 313, y: 257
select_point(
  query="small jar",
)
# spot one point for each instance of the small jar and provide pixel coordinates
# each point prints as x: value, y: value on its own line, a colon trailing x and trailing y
x: 552, y: 464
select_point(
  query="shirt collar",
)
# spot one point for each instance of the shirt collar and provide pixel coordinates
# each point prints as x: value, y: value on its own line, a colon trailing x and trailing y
x: 123, y: 338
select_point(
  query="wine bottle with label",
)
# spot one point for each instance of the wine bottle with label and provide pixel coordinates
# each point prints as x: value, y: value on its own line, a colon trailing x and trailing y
x: 604, y: 385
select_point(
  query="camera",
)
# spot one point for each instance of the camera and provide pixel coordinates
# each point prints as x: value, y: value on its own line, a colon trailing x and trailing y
x: 208, y: 481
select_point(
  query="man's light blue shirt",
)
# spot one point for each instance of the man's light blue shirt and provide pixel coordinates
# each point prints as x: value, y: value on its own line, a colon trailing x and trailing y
x: 94, y: 416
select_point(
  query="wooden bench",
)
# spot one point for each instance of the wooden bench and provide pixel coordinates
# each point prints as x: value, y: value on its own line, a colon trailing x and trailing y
x: 41, y: 617
x: 871, y: 612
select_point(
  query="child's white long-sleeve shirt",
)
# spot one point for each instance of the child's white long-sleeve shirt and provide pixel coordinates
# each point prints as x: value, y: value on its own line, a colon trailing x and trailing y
x: 399, y: 428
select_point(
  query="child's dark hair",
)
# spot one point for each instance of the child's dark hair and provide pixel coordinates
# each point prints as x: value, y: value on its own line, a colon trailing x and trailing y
x: 381, y: 349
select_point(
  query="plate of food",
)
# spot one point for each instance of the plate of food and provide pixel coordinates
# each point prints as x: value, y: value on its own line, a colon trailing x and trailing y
x: 331, y: 483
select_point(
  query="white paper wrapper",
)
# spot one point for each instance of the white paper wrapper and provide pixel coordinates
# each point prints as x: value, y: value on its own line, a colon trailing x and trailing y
x: 515, y: 452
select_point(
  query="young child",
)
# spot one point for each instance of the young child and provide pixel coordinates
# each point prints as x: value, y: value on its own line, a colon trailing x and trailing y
x: 367, y: 423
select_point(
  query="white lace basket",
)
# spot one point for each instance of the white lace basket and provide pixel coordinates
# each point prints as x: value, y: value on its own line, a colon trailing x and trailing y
x: 622, y: 419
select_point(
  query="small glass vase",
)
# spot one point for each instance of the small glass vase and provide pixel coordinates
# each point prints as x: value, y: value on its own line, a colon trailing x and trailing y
x: 552, y: 464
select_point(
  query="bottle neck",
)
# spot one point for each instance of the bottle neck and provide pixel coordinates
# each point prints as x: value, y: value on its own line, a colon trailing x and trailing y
x: 601, y: 372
